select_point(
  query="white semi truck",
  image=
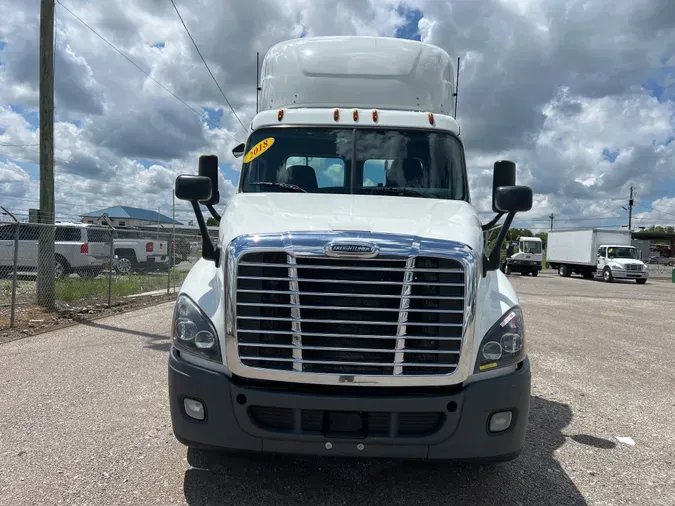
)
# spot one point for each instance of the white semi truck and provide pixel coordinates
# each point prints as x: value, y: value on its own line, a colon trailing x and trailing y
x: 523, y: 256
x: 350, y: 306
x: 605, y: 253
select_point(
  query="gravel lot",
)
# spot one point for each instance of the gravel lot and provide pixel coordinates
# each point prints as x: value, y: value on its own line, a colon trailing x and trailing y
x: 84, y: 418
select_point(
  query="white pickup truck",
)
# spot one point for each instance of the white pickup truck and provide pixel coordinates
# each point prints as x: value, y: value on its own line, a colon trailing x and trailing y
x: 137, y: 250
x: 350, y: 305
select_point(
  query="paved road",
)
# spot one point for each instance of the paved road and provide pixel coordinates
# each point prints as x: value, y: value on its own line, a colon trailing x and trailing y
x: 84, y: 418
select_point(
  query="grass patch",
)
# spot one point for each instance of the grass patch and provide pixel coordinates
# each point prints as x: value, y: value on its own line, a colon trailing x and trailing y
x: 71, y: 289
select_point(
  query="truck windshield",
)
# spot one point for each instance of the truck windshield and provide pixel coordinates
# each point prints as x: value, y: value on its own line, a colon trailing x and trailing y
x: 533, y: 247
x: 413, y: 163
x: 621, y: 252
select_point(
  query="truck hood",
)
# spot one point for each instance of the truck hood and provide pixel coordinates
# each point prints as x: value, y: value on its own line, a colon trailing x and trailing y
x: 623, y: 262
x: 259, y: 213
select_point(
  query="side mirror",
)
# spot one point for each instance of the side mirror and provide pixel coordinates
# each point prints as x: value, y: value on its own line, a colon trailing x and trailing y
x: 504, y: 174
x: 238, y: 150
x: 193, y: 188
x: 196, y: 189
x: 512, y: 199
x: 208, y: 167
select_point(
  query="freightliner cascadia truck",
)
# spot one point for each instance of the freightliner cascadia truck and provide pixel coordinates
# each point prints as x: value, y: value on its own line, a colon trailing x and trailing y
x: 350, y: 306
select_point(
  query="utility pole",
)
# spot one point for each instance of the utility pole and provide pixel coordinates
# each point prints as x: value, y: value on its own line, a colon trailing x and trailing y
x: 630, y: 209
x: 173, y: 233
x: 551, y: 218
x: 46, y: 258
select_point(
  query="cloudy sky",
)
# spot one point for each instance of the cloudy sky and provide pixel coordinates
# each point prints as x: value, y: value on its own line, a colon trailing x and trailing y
x: 580, y: 94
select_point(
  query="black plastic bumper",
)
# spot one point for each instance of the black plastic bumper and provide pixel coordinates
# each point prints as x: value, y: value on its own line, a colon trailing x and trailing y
x: 524, y: 265
x: 462, y: 435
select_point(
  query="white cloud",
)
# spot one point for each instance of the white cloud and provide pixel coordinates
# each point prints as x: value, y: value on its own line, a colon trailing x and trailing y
x: 14, y: 181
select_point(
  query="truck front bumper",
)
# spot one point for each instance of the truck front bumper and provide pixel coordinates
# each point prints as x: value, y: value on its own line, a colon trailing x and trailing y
x: 448, y: 423
x: 523, y: 265
x: 621, y: 274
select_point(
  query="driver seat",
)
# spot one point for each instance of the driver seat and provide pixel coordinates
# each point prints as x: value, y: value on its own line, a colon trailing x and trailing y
x: 303, y: 176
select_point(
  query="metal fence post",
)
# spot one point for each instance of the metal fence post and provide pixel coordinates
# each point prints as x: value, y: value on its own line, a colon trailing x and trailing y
x: 110, y: 267
x: 169, y: 262
x: 14, y: 276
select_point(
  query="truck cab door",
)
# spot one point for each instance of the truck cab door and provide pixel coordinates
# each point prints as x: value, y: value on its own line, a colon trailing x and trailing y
x: 602, y: 259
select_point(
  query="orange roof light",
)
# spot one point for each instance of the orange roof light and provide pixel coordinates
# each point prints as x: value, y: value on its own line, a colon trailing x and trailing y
x: 431, y: 118
x: 280, y: 114
x: 355, y: 115
x: 375, y: 116
x: 336, y: 114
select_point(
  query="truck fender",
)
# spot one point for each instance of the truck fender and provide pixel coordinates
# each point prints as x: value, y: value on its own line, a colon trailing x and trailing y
x: 494, y: 298
x: 204, y: 285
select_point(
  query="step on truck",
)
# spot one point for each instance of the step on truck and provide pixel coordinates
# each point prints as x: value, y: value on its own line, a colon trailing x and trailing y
x: 350, y: 306
x: 604, y: 253
x: 523, y: 256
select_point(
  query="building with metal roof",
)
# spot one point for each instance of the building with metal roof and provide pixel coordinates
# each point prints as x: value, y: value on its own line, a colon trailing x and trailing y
x: 125, y: 216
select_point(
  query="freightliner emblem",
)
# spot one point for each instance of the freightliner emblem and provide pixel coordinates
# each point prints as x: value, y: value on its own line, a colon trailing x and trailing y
x: 352, y: 249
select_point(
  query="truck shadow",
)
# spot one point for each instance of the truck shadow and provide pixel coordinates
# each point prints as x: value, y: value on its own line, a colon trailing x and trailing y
x: 156, y: 342
x: 535, y: 477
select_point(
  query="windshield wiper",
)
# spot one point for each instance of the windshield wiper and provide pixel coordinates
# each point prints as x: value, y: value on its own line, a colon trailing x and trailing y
x: 284, y: 186
x: 398, y: 191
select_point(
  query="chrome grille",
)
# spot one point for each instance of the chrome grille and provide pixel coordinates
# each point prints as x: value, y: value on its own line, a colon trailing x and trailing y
x: 392, y: 315
x: 633, y: 267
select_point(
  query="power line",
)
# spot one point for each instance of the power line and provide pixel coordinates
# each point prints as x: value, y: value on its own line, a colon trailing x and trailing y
x: 144, y: 72
x: 207, y: 66
x: 22, y: 148
x: 18, y: 145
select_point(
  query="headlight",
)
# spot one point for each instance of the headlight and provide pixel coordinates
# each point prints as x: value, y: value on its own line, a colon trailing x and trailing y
x: 614, y: 265
x: 193, y: 332
x: 504, y: 344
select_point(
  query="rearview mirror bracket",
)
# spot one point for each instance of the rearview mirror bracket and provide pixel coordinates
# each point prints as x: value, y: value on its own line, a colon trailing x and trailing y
x: 196, y: 190
x: 209, y: 251
x: 491, y: 260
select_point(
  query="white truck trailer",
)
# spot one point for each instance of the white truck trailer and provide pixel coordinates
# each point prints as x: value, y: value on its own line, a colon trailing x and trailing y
x: 350, y: 306
x: 594, y: 252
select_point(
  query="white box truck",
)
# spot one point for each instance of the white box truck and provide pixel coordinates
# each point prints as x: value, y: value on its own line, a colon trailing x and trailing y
x: 350, y: 306
x: 594, y: 252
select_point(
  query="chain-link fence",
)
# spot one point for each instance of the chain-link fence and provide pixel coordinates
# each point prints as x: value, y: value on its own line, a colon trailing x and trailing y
x: 83, y: 269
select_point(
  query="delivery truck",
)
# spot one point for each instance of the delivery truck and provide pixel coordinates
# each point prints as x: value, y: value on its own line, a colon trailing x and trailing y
x: 595, y: 252
x: 350, y: 305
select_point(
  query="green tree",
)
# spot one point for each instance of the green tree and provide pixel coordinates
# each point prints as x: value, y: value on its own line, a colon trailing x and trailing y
x: 211, y: 222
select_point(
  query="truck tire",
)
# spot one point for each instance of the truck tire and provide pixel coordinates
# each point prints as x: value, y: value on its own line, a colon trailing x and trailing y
x: 564, y: 271
x: 61, y: 267
x: 607, y: 275
x: 507, y: 270
x: 640, y: 281
x: 126, y: 261
x: 535, y: 273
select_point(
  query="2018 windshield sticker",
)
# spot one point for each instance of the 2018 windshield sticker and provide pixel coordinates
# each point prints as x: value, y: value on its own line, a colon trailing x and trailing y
x: 259, y: 149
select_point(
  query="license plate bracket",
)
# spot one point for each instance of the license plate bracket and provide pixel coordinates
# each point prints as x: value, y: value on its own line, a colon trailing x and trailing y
x: 345, y: 424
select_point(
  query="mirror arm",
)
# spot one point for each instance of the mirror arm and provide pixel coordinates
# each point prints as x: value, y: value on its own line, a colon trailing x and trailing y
x: 213, y: 212
x: 491, y: 260
x: 209, y: 251
x: 492, y: 222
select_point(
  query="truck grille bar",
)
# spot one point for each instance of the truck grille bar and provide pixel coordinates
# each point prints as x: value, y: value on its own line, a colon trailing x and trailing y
x: 311, y: 314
